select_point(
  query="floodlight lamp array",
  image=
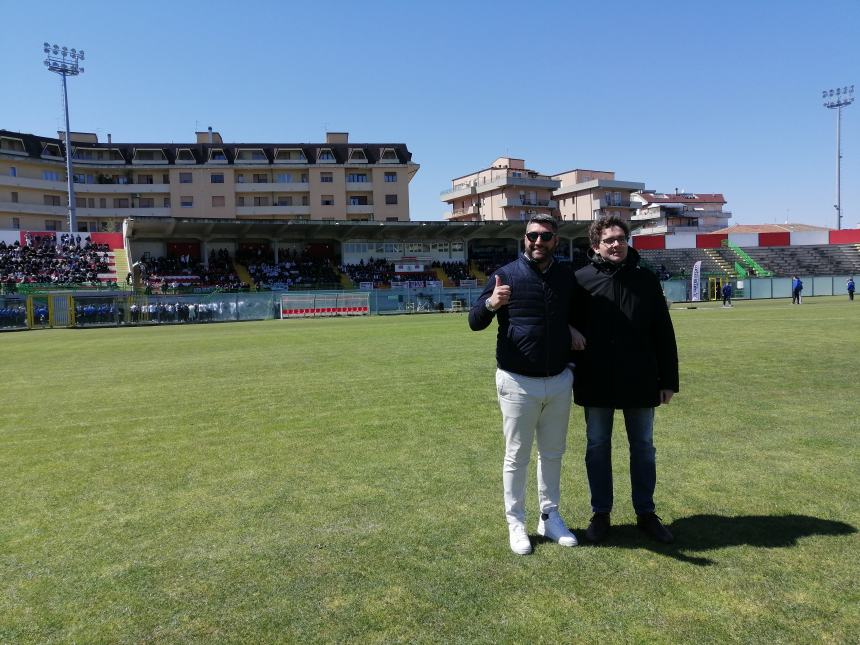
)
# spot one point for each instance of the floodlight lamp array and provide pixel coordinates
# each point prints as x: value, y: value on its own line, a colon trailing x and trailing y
x: 839, y: 97
x: 63, y: 60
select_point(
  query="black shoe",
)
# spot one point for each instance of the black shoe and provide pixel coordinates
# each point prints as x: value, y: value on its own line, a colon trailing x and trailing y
x: 598, y: 528
x: 651, y: 524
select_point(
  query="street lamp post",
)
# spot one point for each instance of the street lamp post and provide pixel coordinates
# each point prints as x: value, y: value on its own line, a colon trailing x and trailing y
x: 64, y: 61
x: 836, y: 100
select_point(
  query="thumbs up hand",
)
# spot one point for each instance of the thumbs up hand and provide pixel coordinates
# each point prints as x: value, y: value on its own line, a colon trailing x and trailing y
x: 501, y: 294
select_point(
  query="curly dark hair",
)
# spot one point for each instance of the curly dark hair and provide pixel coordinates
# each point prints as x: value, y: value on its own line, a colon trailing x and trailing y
x: 595, y: 231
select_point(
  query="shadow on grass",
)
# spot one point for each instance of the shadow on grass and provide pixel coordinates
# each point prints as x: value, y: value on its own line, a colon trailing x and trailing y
x: 709, y: 532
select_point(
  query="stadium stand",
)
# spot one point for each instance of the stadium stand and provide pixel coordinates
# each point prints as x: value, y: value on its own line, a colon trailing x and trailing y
x: 295, y: 272
x: 169, y: 273
x: 44, y: 260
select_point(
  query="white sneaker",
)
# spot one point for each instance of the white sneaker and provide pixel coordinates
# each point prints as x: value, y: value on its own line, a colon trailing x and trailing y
x: 520, y: 543
x: 553, y: 528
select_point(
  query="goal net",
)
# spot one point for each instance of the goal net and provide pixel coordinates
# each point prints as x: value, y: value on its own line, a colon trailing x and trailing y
x: 305, y: 305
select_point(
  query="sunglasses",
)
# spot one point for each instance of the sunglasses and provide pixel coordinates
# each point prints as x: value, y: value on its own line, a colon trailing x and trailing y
x: 545, y: 236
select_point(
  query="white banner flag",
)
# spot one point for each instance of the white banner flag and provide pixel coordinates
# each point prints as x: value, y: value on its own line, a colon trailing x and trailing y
x: 696, y: 286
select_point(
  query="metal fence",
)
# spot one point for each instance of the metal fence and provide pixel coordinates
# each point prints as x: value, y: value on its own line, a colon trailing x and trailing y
x: 762, y: 288
x: 119, y: 308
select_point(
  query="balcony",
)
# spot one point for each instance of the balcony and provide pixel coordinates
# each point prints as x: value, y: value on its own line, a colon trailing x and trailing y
x: 614, y: 203
x: 34, y: 209
x: 123, y: 212
x: 458, y: 191
x: 271, y: 187
x: 359, y: 186
x: 516, y: 202
x: 257, y: 211
x: 125, y: 189
x: 27, y: 182
x: 359, y: 209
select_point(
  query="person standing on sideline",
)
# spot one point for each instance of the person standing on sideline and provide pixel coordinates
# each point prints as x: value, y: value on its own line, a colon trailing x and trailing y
x: 850, y: 286
x: 530, y: 298
x: 796, y: 288
x: 727, y: 294
x: 630, y: 363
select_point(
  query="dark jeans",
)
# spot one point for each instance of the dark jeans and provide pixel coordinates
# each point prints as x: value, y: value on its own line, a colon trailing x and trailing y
x: 639, y: 423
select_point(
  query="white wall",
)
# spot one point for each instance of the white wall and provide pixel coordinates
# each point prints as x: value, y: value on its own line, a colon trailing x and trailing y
x: 744, y: 239
x: 809, y: 237
x: 681, y: 241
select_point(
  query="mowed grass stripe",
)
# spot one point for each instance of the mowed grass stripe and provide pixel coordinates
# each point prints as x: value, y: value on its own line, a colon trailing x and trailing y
x: 323, y: 480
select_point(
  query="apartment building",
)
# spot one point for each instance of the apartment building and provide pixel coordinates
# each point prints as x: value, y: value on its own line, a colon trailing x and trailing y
x: 591, y: 194
x: 678, y: 212
x: 505, y: 191
x: 331, y: 181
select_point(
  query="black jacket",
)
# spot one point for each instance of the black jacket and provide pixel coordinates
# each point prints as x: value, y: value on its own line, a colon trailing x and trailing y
x: 533, y: 338
x: 630, y: 352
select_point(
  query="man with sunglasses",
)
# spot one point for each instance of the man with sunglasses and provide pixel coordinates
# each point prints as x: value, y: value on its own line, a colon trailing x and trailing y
x: 630, y: 363
x: 530, y: 298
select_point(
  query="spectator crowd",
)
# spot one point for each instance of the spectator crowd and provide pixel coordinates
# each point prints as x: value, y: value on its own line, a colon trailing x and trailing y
x: 44, y: 260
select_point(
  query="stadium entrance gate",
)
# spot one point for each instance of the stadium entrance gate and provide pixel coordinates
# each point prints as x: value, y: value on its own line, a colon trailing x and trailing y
x: 313, y: 305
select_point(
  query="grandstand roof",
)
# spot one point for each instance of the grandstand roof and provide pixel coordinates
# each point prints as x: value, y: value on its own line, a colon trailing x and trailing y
x: 771, y: 228
x: 209, y: 229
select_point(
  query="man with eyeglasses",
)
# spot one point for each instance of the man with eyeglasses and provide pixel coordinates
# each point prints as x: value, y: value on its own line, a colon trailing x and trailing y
x: 630, y: 363
x: 530, y: 298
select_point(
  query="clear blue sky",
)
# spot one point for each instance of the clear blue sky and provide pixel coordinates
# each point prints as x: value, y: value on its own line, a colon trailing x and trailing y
x: 703, y: 96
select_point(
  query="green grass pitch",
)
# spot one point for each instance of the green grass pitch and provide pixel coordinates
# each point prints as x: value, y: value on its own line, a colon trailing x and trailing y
x: 340, y: 480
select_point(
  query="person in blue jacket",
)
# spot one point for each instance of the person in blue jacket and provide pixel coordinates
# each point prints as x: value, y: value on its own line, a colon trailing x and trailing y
x: 727, y: 294
x: 530, y: 299
x: 850, y: 286
x: 796, y: 288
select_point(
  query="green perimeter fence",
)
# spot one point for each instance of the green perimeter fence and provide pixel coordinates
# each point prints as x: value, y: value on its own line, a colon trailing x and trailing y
x: 120, y: 308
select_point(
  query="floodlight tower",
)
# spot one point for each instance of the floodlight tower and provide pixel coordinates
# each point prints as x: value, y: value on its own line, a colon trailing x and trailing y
x: 64, y: 61
x: 836, y: 100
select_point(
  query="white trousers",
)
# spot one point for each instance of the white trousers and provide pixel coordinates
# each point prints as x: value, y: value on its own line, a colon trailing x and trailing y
x: 533, y: 406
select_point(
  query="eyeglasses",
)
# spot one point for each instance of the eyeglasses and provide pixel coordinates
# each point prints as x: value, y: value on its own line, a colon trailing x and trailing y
x: 545, y: 236
x: 609, y: 241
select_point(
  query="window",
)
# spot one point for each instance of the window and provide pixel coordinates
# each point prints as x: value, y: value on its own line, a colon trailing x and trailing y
x: 166, y: 202
x: 240, y: 178
x: 81, y: 202
x: 326, y: 177
x: 285, y: 200
x: 91, y: 202
x: 216, y: 178
x: 120, y: 202
x: 16, y: 223
x: 146, y: 202
x: 391, y: 199
x: 240, y: 200
x: 306, y: 200
x: 391, y: 178
x: 79, y: 178
x: 261, y: 200
x: 145, y: 179
x: 51, y: 225
x: 327, y: 200
x: 186, y: 201
x: 51, y: 200
x: 217, y: 201
x: 185, y: 178
x: 357, y: 177
x: 283, y: 178
x: 325, y: 155
x: 165, y: 179
x: 358, y: 200
x: 102, y: 202
x: 261, y: 178
x: 14, y: 197
x: 13, y: 171
x: 122, y: 179
x: 50, y: 175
